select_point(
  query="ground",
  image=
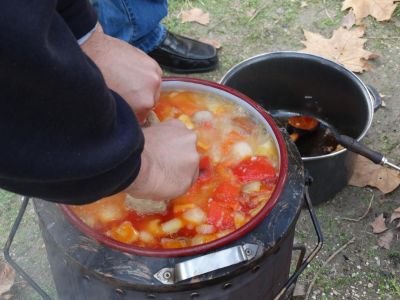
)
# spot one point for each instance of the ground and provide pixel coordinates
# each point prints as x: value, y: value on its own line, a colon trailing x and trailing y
x: 362, y: 270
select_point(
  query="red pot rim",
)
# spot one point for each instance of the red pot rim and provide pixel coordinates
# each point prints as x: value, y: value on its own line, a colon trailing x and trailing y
x: 198, y: 249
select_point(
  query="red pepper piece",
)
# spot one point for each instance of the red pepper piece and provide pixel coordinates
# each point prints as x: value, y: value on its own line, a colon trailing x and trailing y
x: 254, y: 168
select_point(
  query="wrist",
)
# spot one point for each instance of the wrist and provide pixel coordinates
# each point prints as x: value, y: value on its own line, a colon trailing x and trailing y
x: 139, y: 185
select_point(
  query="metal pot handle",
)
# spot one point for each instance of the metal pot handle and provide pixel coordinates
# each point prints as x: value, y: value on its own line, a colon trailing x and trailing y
x: 300, y: 268
x: 207, y: 263
x: 12, y: 262
x: 376, y: 98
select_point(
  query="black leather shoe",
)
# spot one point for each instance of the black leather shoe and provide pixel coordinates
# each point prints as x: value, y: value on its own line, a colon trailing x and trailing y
x: 180, y: 54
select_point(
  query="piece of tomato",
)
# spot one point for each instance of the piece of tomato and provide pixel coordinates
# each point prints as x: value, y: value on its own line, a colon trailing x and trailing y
x: 220, y: 216
x: 227, y: 193
x: 254, y: 168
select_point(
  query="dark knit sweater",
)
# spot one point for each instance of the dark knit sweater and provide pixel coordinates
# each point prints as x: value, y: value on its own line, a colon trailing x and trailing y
x: 65, y: 137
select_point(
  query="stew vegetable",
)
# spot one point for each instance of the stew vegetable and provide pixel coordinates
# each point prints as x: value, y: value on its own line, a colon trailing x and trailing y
x: 238, y: 172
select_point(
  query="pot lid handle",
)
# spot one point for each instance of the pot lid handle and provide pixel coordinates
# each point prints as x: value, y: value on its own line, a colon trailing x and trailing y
x: 207, y: 263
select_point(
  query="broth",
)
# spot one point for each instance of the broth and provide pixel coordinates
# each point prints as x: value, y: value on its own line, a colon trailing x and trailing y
x: 313, y: 143
x: 238, y: 173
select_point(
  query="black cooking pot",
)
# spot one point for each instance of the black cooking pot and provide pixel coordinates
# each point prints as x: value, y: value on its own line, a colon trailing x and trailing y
x: 302, y: 83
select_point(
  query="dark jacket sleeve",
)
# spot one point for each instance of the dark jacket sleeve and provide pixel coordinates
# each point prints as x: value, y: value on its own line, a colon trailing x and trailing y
x: 65, y: 137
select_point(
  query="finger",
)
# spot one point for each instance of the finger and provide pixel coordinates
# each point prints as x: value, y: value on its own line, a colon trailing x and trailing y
x: 157, y: 94
x: 195, y: 175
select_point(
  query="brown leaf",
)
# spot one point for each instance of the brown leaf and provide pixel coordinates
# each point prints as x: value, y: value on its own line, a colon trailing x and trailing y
x: 214, y: 43
x: 395, y: 215
x: 195, y: 15
x: 378, y: 225
x: 385, y: 240
x: 7, y: 278
x: 344, y: 47
x: 349, y: 20
x: 299, y: 291
x: 365, y: 173
x: 381, y: 10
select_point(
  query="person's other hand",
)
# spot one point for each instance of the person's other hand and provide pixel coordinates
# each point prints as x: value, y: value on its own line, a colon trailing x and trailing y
x: 170, y: 162
x: 130, y: 72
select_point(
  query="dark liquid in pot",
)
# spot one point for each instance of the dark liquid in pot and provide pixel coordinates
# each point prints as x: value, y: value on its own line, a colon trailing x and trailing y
x: 314, y: 143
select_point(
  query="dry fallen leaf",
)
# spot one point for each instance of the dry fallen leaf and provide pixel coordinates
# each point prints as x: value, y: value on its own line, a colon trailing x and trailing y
x: 195, y: 15
x: 299, y: 291
x: 381, y: 10
x: 214, y: 43
x: 395, y: 215
x: 365, y: 173
x: 7, y: 278
x: 344, y: 47
x: 378, y: 225
x: 349, y: 20
x: 385, y: 240
x: 303, y: 4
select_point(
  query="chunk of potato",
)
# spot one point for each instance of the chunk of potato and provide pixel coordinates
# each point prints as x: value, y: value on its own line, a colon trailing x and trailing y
x: 180, y: 208
x: 125, y: 233
x: 146, y: 237
x: 109, y: 212
x: 172, y: 226
x: 195, y: 215
x: 267, y: 149
x: 205, y: 229
x: 174, y: 243
x: 242, y: 150
x: 239, y: 219
x: 202, y: 239
x: 154, y: 227
x: 252, y: 187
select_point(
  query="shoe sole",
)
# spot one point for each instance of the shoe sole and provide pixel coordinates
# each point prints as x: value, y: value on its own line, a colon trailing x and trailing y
x: 188, y: 71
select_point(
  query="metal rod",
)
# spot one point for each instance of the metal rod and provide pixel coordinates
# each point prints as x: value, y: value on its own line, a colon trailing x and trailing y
x: 13, y: 263
x: 388, y: 163
x: 312, y: 255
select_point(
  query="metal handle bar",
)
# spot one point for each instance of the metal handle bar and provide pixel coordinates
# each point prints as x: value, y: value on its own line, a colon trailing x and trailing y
x: 12, y: 262
x: 292, y: 280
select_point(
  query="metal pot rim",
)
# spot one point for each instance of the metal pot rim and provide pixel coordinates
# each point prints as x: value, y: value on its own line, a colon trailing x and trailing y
x: 321, y: 59
x: 249, y: 226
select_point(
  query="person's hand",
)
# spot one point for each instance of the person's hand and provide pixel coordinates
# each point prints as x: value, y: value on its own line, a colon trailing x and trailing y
x: 131, y: 73
x: 170, y: 162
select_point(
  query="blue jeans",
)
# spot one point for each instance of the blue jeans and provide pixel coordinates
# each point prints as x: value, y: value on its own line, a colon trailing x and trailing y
x: 134, y: 21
